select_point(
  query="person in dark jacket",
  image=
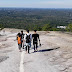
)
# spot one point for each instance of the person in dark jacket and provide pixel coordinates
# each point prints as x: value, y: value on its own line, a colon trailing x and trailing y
x: 22, y: 39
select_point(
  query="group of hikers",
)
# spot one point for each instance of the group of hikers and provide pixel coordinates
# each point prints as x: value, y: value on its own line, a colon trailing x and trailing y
x: 24, y: 40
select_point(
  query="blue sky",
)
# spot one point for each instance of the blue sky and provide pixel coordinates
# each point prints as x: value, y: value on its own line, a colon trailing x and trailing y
x: 37, y: 3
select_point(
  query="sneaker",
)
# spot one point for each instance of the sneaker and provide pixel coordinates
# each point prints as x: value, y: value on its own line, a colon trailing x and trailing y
x: 23, y: 47
x: 34, y: 50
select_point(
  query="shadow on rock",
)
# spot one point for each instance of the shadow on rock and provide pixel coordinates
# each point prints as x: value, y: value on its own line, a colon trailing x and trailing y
x: 44, y: 50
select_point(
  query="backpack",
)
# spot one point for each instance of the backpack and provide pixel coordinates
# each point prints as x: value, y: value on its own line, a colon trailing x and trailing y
x: 28, y: 40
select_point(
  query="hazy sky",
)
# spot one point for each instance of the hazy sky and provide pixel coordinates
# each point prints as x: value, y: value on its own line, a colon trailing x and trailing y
x: 37, y: 3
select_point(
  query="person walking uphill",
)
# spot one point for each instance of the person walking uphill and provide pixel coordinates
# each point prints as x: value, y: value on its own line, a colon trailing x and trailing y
x: 35, y: 37
x: 27, y: 39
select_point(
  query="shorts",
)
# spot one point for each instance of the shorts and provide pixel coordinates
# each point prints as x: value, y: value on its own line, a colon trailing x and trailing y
x: 28, y: 44
x: 19, y: 46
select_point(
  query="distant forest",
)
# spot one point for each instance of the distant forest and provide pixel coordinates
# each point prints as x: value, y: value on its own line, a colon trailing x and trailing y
x: 30, y: 18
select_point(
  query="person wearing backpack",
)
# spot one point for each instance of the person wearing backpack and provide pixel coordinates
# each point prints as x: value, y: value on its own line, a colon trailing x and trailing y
x: 27, y: 39
x: 35, y: 37
x: 22, y: 39
x: 19, y: 41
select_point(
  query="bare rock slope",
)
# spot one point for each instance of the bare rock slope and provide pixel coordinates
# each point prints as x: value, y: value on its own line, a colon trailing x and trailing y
x: 55, y: 54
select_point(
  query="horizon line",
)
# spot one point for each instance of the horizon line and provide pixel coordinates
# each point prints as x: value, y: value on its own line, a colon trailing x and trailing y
x: 35, y: 8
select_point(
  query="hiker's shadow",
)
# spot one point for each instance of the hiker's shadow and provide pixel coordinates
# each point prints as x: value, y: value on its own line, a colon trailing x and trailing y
x: 44, y: 50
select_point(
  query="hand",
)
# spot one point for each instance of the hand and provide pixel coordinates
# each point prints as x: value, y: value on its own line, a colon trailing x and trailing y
x: 40, y: 44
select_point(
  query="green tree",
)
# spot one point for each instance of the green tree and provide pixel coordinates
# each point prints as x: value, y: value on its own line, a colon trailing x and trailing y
x: 69, y: 27
x: 35, y: 27
x: 1, y: 26
x: 39, y: 28
x: 46, y: 27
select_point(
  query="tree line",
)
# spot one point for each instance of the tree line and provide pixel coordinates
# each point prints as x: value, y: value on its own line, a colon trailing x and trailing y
x: 47, y: 27
x: 39, y: 19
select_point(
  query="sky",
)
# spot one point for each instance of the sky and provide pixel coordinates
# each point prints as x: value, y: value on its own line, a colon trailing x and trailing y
x: 36, y: 3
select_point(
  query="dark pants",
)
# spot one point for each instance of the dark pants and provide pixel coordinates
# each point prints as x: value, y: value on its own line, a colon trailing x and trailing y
x: 27, y: 48
x: 35, y: 46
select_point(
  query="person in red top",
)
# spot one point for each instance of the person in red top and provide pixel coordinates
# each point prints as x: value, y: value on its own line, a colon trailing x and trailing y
x: 19, y: 41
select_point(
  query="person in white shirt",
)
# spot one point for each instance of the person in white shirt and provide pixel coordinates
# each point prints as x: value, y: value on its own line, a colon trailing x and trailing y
x: 27, y: 39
